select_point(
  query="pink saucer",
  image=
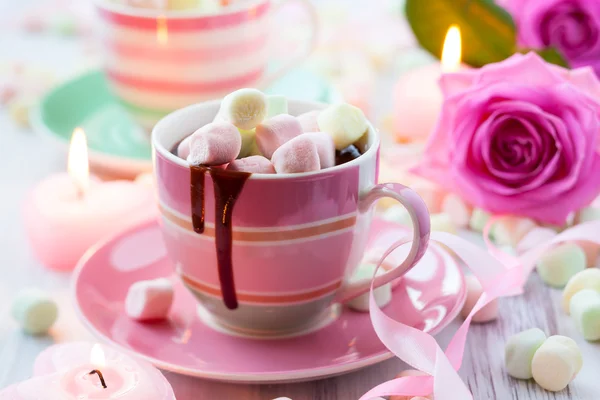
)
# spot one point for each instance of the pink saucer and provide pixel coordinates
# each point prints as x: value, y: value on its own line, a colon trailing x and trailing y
x: 428, y: 298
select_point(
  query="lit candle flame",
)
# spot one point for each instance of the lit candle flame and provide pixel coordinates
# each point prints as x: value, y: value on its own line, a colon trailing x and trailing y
x: 452, y: 52
x: 97, y: 357
x: 78, y: 165
x: 162, y: 31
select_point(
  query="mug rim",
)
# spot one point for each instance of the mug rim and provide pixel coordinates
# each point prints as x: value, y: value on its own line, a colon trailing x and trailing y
x: 180, y: 162
x: 174, y: 14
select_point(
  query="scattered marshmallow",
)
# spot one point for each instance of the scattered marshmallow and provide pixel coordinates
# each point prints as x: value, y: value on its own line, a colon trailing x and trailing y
x: 149, y: 300
x: 587, y: 214
x: 308, y: 121
x: 344, y: 122
x: 245, y: 108
x: 298, y: 155
x: 183, y: 149
x: 556, y: 363
x: 35, y: 311
x: 383, y: 294
x: 591, y: 250
x: 276, y: 105
x: 534, y: 238
x: 585, y: 311
x: 398, y: 214
x: 587, y: 279
x: 274, y: 132
x: 479, y: 219
x: 18, y: 110
x: 252, y: 164
x: 442, y: 223
x: 216, y: 143
x: 325, y: 148
x: 559, y: 264
x: 519, y: 351
x: 474, y: 292
x: 510, y: 230
x: 457, y: 209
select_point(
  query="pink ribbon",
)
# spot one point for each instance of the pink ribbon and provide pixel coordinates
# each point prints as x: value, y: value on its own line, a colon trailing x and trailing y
x: 500, y: 274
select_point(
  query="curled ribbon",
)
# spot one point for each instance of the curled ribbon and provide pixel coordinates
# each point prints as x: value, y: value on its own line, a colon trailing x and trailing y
x: 500, y: 274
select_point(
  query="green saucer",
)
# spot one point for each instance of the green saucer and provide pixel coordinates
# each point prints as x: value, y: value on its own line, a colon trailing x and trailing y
x: 117, y: 145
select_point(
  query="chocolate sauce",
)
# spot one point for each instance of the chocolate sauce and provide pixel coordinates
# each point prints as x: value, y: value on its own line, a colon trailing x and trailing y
x: 227, y: 188
x: 346, y: 155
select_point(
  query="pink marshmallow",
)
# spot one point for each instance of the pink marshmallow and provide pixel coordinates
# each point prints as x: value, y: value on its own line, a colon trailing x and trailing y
x: 298, y: 155
x: 308, y: 121
x: 458, y: 210
x: 252, y: 164
x: 276, y: 131
x: 215, y: 144
x: 474, y: 291
x: 183, y: 150
x: 325, y: 148
x: 149, y: 300
x: 591, y: 250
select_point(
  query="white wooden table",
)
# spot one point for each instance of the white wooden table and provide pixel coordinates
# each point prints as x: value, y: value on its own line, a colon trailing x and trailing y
x: 25, y: 159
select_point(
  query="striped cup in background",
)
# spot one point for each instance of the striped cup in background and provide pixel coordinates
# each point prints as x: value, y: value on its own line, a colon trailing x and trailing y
x: 158, y: 61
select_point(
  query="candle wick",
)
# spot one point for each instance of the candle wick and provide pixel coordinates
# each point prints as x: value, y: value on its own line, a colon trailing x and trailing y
x: 99, y: 376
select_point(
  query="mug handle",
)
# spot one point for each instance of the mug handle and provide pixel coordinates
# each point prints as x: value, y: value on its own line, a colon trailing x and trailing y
x: 419, y: 215
x: 302, y: 55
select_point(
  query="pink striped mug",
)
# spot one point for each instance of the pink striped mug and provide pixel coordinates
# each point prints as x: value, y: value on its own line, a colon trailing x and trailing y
x: 296, y: 238
x: 159, y: 61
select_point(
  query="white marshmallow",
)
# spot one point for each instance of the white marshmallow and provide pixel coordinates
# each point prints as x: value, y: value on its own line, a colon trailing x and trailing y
x: 457, y: 209
x: 308, y: 121
x: 397, y: 214
x: 344, y: 122
x: 479, y: 219
x: 556, y: 363
x: 383, y: 294
x: 35, y: 311
x: 519, y: 351
x: 276, y: 105
x: 474, y: 292
x: 442, y: 223
x: 585, y: 311
x: 510, y: 230
x: 149, y: 300
x: 245, y: 108
x: 559, y: 264
x: 587, y: 214
x: 586, y: 279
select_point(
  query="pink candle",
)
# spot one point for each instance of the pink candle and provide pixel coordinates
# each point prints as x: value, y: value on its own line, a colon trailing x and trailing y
x: 68, y: 213
x: 63, y: 372
x: 417, y: 96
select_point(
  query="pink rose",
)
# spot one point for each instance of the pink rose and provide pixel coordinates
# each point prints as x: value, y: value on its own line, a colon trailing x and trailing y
x: 519, y: 137
x: 572, y: 26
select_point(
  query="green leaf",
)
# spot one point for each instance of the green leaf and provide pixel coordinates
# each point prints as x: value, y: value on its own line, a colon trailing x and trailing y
x: 488, y: 31
x: 551, y: 55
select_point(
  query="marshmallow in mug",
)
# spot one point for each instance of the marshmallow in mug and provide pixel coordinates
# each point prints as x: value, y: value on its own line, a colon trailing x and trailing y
x: 556, y: 363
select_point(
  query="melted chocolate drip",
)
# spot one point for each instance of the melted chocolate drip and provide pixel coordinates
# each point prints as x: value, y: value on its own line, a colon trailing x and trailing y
x: 346, y: 155
x: 227, y: 187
